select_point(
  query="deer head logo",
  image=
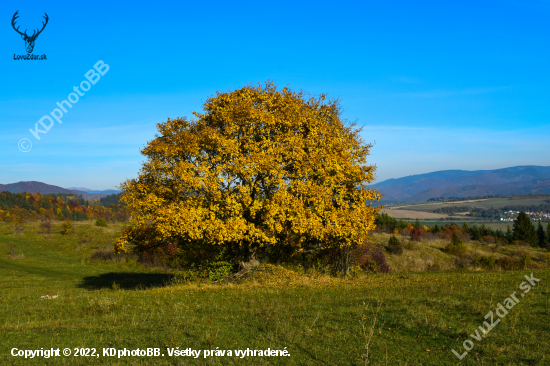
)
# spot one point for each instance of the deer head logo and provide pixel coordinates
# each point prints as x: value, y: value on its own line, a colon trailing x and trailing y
x: 29, y: 40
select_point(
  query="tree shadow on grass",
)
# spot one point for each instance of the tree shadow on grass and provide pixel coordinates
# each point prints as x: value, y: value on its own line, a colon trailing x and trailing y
x: 126, y: 280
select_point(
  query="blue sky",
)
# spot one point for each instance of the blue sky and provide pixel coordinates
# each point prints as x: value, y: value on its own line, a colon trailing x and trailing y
x: 436, y: 85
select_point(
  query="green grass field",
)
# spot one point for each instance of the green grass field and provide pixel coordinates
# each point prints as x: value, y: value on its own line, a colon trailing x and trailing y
x: 405, y: 318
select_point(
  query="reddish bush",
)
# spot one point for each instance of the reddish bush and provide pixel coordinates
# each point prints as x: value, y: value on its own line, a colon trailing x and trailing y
x: 367, y: 256
x: 372, y: 258
x: 449, y: 230
x: 508, y: 263
x: 520, y: 243
x: 416, y: 234
x: 488, y: 239
x: 171, y: 249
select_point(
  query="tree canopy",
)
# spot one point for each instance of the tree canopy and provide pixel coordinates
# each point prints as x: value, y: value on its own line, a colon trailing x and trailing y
x: 259, y: 167
x: 524, y: 230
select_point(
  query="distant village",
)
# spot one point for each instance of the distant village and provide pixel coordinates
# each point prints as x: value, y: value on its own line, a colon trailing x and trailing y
x: 536, y: 216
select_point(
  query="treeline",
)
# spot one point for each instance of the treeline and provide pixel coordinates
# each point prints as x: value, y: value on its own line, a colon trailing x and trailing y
x: 452, y: 209
x: 491, y: 213
x: 457, y: 199
x: 528, y: 208
x: 113, y: 199
x: 523, y: 231
x: 20, y: 207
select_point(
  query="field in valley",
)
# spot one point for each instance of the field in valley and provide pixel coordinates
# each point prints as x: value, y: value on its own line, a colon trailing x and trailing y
x: 413, y: 214
x: 424, y: 211
x: 486, y: 203
x: 413, y: 316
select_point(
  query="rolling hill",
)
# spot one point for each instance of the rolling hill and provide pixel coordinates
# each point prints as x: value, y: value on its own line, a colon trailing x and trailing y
x: 43, y: 188
x: 464, y: 183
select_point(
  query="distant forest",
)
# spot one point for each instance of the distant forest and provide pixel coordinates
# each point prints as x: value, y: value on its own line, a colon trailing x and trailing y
x: 453, y: 209
x: 60, y: 206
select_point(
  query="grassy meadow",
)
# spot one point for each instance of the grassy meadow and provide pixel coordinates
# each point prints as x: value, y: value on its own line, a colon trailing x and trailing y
x: 415, y: 315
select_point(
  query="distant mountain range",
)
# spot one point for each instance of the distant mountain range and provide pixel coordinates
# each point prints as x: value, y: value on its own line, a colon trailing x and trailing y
x: 411, y: 189
x: 464, y: 183
x: 43, y: 188
x: 79, y: 189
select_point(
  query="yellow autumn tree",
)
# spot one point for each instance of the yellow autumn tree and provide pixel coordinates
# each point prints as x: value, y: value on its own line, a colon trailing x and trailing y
x: 259, y: 167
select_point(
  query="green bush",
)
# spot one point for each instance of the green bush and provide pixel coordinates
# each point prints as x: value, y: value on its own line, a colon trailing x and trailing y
x: 456, y: 246
x: 486, y: 261
x: 197, y: 260
x: 489, y: 262
x: 67, y: 228
x: 526, y: 261
x: 394, y: 246
x: 394, y: 241
x: 101, y: 222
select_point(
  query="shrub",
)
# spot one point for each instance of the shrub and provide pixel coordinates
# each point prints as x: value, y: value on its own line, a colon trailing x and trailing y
x: 104, y: 254
x: 15, y: 254
x: 198, y: 260
x: 375, y: 260
x: 18, y: 228
x: 455, y: 240
x: 101, y: 222
x: 449, y: 230
x: 488, y: 262
x: 416, y: 234
x: 520, y: 243
x: 67, y: 228
x: 458, y: 250
x: 526, y: 261
x: 456, y: 246
x: 46, y: 226
x: 345, y: 261
x: 338, y: 261
x: 394, y: 245
x: 393, y: 241
x: 488, y: 239
x: 463, y: 262
x: 508, y: 263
